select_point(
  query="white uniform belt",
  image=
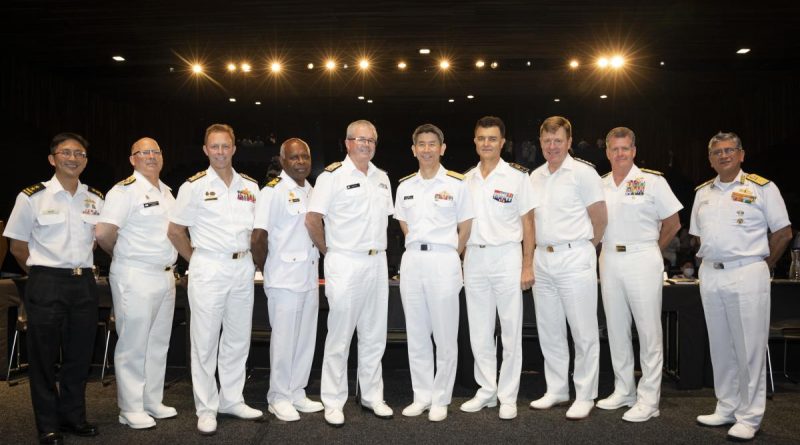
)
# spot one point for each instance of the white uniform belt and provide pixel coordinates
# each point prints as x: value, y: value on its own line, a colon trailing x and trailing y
x: 493, y: 246
x: 223, y: 255
x: 734, y: 264
x: 429, y: 247
x: 629, y: 247
x: 561, y: 247
x: 142, y: 264
x: 369, y: 252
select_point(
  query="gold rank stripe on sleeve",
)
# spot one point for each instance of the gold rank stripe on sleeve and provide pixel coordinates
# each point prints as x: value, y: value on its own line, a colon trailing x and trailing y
x: 197, y: 176
x: 248, y: 178
x: 408, y: 177
x: 127, y: 181
x: 652, y: 172
x: 333, y: 167
x: 36, y: 188
x: 456, y: 175
x: 585, y: 162
x: 752, y: 177
x: 521, y: 168
x: 274, y: 181
x: 709, y: 182
x: 97, y: 192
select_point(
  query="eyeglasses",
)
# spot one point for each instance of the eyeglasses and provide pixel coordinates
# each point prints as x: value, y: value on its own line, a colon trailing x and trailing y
x: 144, y: 153
x: 727, y: 151
x: 70, y: 153
x: 363, y: 141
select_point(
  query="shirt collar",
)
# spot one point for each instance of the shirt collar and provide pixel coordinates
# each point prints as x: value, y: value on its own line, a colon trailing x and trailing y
x: 500, y: 169
x: 53, y: 186
x: 146, y: 186
x: 440, y: 173
x: 351, y: 166
x: 740, y: 179
x: 213, y: 176
x: 291, y: 183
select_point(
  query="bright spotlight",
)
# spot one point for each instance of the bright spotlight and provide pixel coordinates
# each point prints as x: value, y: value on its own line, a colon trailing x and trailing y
x: 424, y: 51
x: 574, y: 63
x: 556, y: 100
x: 617, y: 62
x: 363, y: 64
x: 310, y: 66
x: 330, y: 65
x: 402, y: 65
x: 360, y: 97
x: 743, y: 51
x: 470, y: 96
x: 480, y: 64
x: 231, y: 67
x: 258, y: 102
x: 603, y: 96
x: 118, y: 58
x: 275, y: 67
x: 369, y: 101
x: 602, y: 62
x: 493, y: 65
x: 246, y: 67
x: 197, y: 68
x: 444, y: 64
x: 232, y: 99
x: 451, y: 100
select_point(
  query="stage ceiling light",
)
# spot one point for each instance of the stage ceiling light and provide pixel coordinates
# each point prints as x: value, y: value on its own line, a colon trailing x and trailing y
x: 424, y: 51
x: 231, y: 67
x: 258, y: 102
x: 275, y: 67
x: 493, y: 65
x: 743, y: 51
x: 330, y: 65
x: 603, y: 96
x: 197, y: 68
x: 602, y: 62
x: 617, y: 62
x: 451, y: 100
x: 232, y: 99
x: 444, y: 64
x: 360, y: 97
x: 369, y: 101
x: 480, y: 64
x: 363, y: 64
x: 118, y: 58
x: 556, y: 100
x: 310, y: 66
x: 246, y: 67
x: 402, y: 65
x: 574, y: 63
x: 470, y: 96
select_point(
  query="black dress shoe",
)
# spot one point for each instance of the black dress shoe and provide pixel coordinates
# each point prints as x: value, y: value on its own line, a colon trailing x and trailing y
x: 81, y: 429
x: 51, y: 439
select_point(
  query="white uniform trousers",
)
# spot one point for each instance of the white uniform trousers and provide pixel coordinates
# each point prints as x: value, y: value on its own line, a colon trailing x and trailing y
x: 492, y: 284
x: 357, y: 288
x: 220, y: 297
x: 566, y: 291
x: 144, y: 302
x: 736, y: 303
x: 293, y: 318
x: 430, y: 282
x: 631, y: 284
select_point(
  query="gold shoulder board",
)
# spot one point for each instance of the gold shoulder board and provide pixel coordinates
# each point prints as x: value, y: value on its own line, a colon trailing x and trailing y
x: 198, y: 175
x: 274, y: 181
x: 408, y: 177
x: 652, y: 172
x: 585, y: 162
x: 127, y: 181
x: 752, y: 177
x: 248, y: 177
x: 709, y: 182
x: 333, y: 167
x: 36, y: 188
x: 456, y: 175
x: 96, y: 192
x: 521, y: 168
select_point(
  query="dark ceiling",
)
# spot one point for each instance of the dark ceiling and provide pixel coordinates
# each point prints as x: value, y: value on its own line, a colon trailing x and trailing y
x: 696, y: 40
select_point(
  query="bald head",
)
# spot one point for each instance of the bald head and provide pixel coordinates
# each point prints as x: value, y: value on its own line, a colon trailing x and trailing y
x: 146, y: 158
x: 296, y: 159
x: 144, y: 144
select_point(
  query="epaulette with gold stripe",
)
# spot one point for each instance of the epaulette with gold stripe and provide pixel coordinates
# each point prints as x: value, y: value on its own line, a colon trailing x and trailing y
x: 709, y: 182
x: 248, y: 177
x: 521, y: 168
x: 752, y: 177
x: 585, y: 162
x: 32, y: 190
x: 97, y: 192
x: 606, y: 175
x: 333, y: 167
x: 274, y: 181
x: 652, y: 172
x: 408, y: 177
x: 456, y: 175
x: 127, y: 181
x: 198, y: 175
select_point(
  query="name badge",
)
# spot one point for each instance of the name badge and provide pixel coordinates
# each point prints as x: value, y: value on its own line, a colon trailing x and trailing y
x: 406, y: 198
x: 150, y: 204
x: 353, y: 186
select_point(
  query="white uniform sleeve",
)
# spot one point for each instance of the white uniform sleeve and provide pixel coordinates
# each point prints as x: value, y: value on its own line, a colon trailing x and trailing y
x: 263, y: 206
x: 20, y: 223
x: 399, y: 213
x: 775, y: 208
x: 117, y: 207
x: 185, y: 210
x: 666, y: 202
x: 694, y: 224
x: 323, y: 194
x: 590, y: 186
x: 528, y: 200
x: 389, y: 206
x: 464, y: 210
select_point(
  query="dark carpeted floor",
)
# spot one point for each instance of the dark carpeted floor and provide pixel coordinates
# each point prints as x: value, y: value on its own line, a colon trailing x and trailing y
x: 675, y: 425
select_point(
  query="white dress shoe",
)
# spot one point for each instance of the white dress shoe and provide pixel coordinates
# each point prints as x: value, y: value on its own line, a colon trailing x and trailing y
x: 161, y: 411
x: 437, y: 413
x: 380, y: 409
x: 548, y: 401
x: 415, y: 409
x: 616, y: 401
x: 640, y: 413
x: 284, y: 410
x: 740, y: 432
x: 580, y: 409
x: 308, y: 406
x: 476, y: 404
x: 715, y: 420
x: 137, y: 421
x: 242, y: 411
x: 207, y: 424
x: 508, y: 411
x: 334, y: 417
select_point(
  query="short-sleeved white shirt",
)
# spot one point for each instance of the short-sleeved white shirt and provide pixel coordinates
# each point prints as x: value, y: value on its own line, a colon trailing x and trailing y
x: 565, y: 195
x: 291, y: 256
x: 637, y: 206
x: 732, y: 219
x: 355, y: 206
x: 499, y: 201
x: 432, y: 208
x: 141, y: 212
x: 219, y: 218
x: 58, y: 227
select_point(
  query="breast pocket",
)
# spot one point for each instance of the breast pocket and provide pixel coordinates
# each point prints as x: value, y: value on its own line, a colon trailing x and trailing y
x: 149, y: 209
x: 633, y: 208
x: 51, y: 219
x: 294, y: 257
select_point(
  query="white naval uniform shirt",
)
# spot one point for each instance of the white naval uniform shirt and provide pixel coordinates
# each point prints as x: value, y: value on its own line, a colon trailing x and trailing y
x: 565, y: 195
x: 355, y: 206
x: 499, y: 200
x: 432, y: 208
x: 291, y: 256
x: 58, y: 227
x: 732, y: 219
x: 141, y: 212
x: 219, y: 219
x: 637, y: 206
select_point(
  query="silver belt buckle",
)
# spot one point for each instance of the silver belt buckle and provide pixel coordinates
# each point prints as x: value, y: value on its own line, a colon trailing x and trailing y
x: 76, y: 272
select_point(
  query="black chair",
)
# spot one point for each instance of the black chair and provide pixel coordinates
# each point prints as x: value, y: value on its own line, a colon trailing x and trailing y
x: 21, y: 328
x: 786, y: 330
x: 110, y: 327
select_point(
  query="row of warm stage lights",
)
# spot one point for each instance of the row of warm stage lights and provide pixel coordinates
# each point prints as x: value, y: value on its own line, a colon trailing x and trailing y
x: 450, y: 100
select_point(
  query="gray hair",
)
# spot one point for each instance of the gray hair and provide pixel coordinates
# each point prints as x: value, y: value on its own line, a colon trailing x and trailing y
x: 621, y: 132
x: 293, y: 140
x: 725, y: 136
x: 361, y: 123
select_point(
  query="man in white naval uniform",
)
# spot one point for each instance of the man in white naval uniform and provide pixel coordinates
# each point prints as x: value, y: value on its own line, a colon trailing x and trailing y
x: 434, y: 209
x: 133, y: 230
x: 217, y: 205
x: 642, y: 219
x: 283, y: 250
x: 497, y: 268
x: 569, y: 224
x: 744, y: 228
x: 355, y: 199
